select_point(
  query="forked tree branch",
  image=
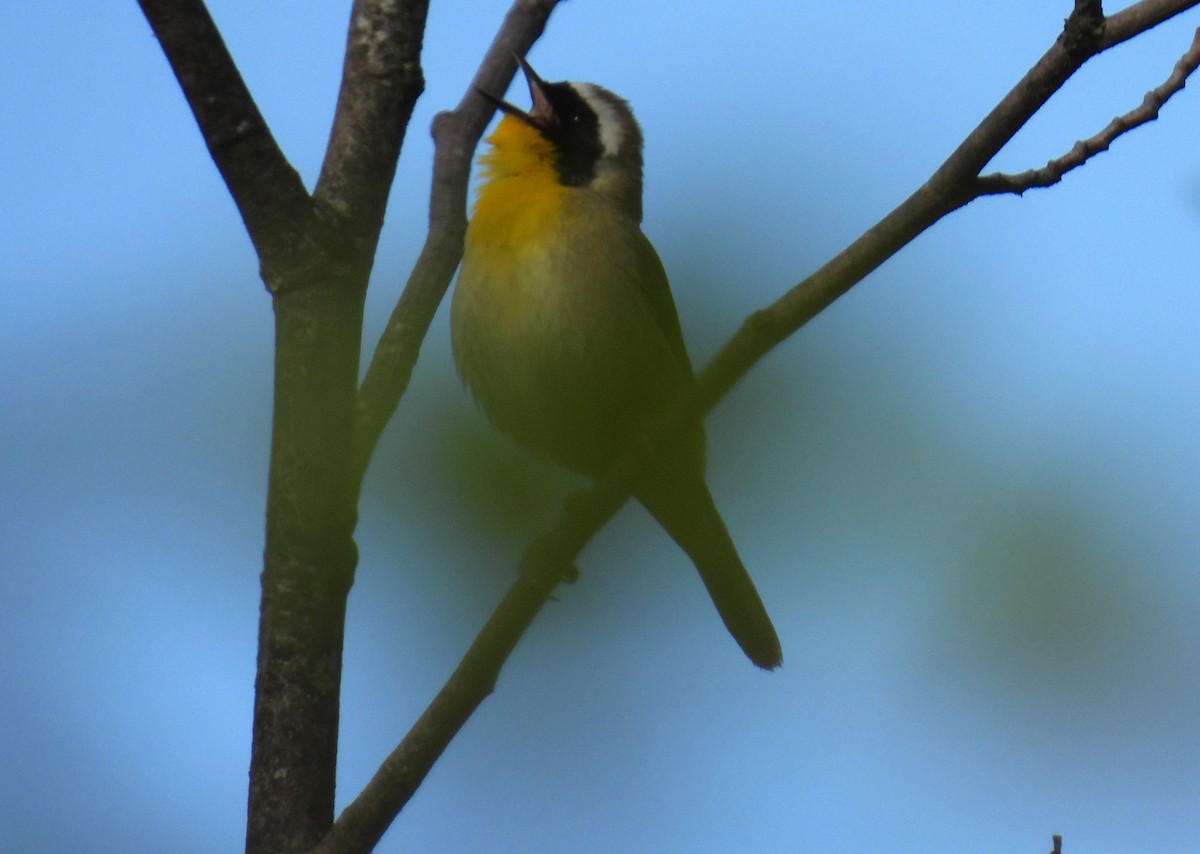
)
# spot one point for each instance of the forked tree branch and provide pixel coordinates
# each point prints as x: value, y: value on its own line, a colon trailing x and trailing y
x: 1086, y: 149
x: 956, y: 183
x: 316, y: 254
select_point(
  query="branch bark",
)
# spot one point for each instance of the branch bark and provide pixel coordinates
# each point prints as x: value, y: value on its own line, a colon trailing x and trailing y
x: 310, y: 553
x: 268, y: 192
x: 1086, y: 149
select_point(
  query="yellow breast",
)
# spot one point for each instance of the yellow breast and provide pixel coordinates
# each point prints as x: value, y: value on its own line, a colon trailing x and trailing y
x: 519, y: 209
x: 510, y: 272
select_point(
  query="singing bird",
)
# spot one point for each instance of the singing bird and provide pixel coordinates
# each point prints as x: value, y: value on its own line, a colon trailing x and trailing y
x: 564, y: 329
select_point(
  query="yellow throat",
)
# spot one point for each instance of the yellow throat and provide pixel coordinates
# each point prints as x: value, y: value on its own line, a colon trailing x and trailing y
x: 521, y: 199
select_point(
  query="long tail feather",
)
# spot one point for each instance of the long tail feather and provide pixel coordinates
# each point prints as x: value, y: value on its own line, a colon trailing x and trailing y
x: 684, y: 507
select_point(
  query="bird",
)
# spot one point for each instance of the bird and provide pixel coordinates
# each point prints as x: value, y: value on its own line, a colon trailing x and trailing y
x: 564, y: 329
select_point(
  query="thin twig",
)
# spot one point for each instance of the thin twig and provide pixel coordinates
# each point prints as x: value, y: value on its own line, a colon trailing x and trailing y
x: 1136, y: 19
x: 456, y: 134
x: 1084, y: 150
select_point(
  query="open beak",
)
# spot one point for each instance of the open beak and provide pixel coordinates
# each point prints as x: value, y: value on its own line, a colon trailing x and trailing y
x: 542, y: 113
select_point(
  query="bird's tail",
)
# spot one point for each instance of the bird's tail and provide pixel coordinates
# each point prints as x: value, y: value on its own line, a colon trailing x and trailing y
x: 687, y: 512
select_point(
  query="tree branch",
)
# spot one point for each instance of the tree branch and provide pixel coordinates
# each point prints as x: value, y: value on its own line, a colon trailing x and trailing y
x: 381, y: 81
x: 456, y: 134
x: 1084, y: 150
x: 1138, y: 18
x: 361, y: 825
x: 268, y: 192
x: 549, y: 559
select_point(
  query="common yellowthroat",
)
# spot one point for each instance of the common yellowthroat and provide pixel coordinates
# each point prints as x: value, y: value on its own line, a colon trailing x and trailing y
x: 564, y: 328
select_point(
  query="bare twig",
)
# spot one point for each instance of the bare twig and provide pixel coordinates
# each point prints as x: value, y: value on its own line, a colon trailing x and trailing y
x: 268, y: 192
x: 1136, y: 19
x: 456, y: 133
x: 1084, y: 150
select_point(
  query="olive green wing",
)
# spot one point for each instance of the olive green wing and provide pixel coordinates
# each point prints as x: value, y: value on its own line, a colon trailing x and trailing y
x: 656, y: 290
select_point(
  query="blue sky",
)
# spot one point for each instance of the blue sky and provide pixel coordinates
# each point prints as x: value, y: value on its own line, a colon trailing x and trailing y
x: 968, y: 491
